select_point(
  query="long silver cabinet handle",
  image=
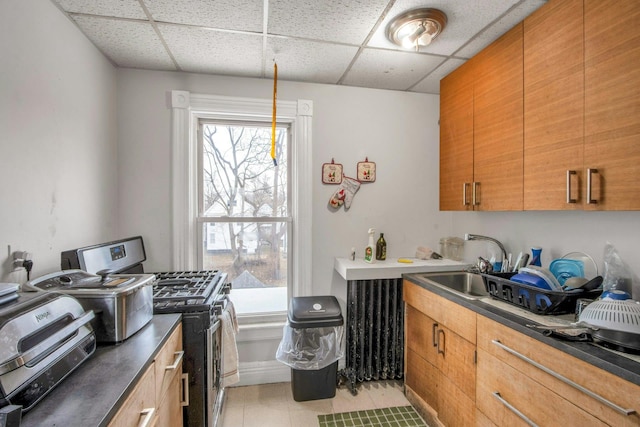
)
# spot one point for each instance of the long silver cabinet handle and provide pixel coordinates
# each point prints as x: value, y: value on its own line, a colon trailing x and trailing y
x: 179, y: 355
x: 185, y: 390
x: 474, y: 197
x: 148, y: 417
x: 464, y: 194
x: 566, y: 380
x: 569, y: 199
x: 590, y: 173
x: 513, y: 409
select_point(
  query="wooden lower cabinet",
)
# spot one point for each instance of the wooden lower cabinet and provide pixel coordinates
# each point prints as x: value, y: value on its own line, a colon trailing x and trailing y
x: 440, y: 364
x: 545, y: 383
x: 464, y: 369
x: 157, y: 399
x: 140, y: 407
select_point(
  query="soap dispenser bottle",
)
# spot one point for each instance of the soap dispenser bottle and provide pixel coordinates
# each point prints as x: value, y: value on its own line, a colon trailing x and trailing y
x: 370, y: 250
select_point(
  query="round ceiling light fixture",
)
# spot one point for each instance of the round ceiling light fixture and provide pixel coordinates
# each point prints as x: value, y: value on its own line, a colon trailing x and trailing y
x: 416, y: 28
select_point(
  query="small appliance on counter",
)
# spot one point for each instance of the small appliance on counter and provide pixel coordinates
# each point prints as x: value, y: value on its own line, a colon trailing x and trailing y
x: 45, y: 336
x: 122, y: 303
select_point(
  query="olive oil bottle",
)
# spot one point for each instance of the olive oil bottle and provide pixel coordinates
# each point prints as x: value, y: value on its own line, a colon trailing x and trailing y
x: 381, y: 248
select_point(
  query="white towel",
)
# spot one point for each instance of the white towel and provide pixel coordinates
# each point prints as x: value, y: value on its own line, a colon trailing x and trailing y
x: 230, y: 328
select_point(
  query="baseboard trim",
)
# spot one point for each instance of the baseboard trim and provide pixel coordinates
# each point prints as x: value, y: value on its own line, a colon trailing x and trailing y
x: 272, y: 371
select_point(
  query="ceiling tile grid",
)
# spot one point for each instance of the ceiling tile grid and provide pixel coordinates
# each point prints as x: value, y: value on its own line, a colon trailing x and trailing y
x: 308, y: 61
x: 243, y: 15
x: 199, y: 50
x: 388, y: 69
x: 317, y: 41
x: 127, y: 43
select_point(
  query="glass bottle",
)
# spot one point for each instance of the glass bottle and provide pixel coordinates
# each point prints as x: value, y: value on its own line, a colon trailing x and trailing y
x: 381, y: 248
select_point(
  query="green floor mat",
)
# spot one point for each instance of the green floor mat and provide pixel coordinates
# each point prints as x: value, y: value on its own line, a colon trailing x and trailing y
x: 399, y: 416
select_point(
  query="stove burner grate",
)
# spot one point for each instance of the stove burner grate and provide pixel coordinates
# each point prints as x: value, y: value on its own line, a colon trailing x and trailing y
x: 185, y: 287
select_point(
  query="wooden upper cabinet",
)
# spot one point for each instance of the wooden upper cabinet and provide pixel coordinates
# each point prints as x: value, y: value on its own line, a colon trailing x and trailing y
x: 612, y: 102
x: 498, y: 124
x: 456, y: 138
x: 554, y: 107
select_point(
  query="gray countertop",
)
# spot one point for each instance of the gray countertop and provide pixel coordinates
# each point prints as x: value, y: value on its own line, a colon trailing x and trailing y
x: 610, y: 361
x: 93, y: 393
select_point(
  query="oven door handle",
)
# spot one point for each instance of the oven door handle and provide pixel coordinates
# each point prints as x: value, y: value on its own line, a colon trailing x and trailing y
x: 48, y: 344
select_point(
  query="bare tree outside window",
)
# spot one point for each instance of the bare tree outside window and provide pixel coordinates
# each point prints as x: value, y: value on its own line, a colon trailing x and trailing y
x: 244, y: 203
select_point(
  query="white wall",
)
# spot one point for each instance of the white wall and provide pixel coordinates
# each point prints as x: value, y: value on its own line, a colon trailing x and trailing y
x: 58, y: 158
x: 397, y: 130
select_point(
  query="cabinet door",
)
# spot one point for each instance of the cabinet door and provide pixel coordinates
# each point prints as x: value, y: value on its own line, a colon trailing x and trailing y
x: 447, y: 351
x: 498, y: 126
x: 170, y: 407
x: 554, y: 106
x: 612, y: 102
x: 456, y: 139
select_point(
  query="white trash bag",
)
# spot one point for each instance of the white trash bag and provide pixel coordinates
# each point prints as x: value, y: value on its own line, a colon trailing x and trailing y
x: 310, y: 348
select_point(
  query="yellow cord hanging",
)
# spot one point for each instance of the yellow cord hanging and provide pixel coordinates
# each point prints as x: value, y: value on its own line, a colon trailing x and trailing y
x: 273, y: 120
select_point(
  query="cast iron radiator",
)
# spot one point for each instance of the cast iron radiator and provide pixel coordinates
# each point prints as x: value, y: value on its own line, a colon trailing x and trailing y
x: 374, y: 331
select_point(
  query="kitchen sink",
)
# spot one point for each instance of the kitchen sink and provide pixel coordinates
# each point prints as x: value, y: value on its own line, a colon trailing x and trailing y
x: 465, y: 284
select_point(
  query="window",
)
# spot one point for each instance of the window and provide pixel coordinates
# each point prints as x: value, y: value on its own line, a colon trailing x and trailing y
x: 264, y: 221
x: 244, y: 211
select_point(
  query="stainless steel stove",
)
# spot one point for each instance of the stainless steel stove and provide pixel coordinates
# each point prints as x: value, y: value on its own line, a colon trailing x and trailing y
x: 200, y: 296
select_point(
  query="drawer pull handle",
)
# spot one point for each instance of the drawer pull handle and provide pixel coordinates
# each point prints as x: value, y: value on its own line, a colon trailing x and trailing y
x: 514, y: 409
x: 176, y: 362
x: 566, y: 380
x: 185, y: 390
x: 148, y: 417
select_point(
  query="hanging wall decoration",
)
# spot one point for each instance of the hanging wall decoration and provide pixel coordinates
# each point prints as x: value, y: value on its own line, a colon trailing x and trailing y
x: 366, y: 171
x: 331, y: 173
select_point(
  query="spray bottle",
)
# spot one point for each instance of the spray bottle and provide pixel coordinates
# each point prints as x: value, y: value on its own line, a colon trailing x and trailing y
x: 370, y: 250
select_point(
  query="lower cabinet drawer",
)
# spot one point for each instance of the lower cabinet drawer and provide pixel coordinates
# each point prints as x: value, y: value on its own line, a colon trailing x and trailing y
x: 510, y: 398
x: 605, y: 396
x: 140, y: 407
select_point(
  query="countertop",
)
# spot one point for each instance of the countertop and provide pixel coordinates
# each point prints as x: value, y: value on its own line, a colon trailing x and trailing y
x: 92, y: 394
x: 624, y: 366
x: 392, y: 269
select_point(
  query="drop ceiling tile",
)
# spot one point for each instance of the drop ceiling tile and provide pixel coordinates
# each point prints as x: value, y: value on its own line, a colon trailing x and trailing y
x: 464, y: 20
x: 345, y: 21
x: 503, y: 25
x: 308, y: 61
x: 431, y: 83
x: 389, y: 69
x: 244, y: 15
x: 127, y: 43
x: 201, y: 50
x: 113, y: 8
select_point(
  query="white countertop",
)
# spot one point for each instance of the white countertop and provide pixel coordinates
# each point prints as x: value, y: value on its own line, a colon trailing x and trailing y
x: 391, y: 268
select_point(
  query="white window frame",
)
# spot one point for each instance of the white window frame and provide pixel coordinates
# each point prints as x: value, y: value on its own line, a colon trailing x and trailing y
x: 187, y: 109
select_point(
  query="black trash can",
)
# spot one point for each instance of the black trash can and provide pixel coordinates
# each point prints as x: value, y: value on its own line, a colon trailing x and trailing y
x: 313, y: 339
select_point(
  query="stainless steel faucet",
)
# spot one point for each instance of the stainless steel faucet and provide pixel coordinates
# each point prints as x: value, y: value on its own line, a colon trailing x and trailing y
x: 491, y: 239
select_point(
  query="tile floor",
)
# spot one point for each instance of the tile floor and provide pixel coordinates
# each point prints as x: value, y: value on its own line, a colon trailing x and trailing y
x: 269, y: 405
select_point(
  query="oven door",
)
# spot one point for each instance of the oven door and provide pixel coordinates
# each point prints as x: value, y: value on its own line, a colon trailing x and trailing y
x: 214, y: 373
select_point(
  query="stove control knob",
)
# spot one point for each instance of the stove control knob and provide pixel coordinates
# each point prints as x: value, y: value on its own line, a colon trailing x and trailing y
x: 65, y: 280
